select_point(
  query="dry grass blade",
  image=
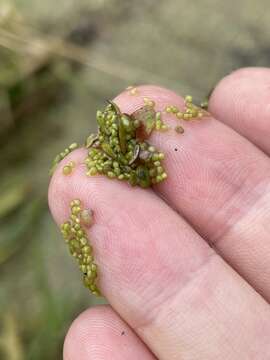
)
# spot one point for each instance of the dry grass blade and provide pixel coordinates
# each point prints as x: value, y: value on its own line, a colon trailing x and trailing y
x: 39, y: 46
x: 10, y: 343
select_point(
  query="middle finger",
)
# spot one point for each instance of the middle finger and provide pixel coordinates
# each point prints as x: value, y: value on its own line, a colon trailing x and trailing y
x: 219, y: 182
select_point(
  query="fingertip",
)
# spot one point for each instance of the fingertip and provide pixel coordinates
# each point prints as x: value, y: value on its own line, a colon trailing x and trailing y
x: 241, y: 100
x: 99, y: 333
x: 245, y: 85
x: 83, y: 333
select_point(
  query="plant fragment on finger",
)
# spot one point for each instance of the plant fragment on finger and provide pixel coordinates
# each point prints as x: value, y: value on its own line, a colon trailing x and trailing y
x: 78, y: 243
x: 121, y: 139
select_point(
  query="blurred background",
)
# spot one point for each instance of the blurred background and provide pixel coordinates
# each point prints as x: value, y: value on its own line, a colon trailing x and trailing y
x: 59, y: 61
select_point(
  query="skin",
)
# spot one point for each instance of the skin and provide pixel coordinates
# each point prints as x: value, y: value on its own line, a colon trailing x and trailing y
x: 185, y: 266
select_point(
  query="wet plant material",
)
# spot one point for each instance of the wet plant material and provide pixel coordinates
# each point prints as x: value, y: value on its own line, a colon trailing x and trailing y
x: 68, y: 169
x: 120, y: 150
x: 132, y: 90
x: 78, y: 243
x: 59, y: 157
x: 190, y: 111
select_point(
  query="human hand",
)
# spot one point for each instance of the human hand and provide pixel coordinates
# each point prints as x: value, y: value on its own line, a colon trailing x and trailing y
x: 185, y: 266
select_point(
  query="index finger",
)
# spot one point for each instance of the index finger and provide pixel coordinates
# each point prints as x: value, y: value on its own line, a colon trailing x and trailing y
x: 159, y: 274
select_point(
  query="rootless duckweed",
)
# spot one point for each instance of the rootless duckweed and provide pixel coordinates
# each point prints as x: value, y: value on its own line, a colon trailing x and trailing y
x: 190, y: 111
x: 61, y: 156
x: 78, y: 243
x: 149, y: 102
x: 68, y: 169
x: 132, y: 90
x: 119, y: 150
x: 160, y: 125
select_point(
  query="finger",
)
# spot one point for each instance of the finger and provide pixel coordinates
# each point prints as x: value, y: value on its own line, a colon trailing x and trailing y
x: 241, y: 100
x: 219, y: 181
x: 100, y: 334
x: 159, y: 275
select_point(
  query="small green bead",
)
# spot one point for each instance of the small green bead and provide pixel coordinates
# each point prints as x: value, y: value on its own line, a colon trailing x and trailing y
x: 93, y: 171
x: 161, y: 156
x: 174, y: 109
x: 78, y: 245
x: 188, y: 99
x: 86, y: 250
x: 67, y: 170
x: 57, y: 159
x: 94, y: 267
x: 111, y: 174
x: 73, y: 146
x: 164, y: 176
x: 83, y: 241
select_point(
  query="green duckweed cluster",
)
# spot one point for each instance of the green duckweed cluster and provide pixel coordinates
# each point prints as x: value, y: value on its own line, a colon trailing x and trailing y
x: 120, y: 150
x: 190, y: 111
x: 79, y: 247
x: 68, y: 169
x: 61, y: 156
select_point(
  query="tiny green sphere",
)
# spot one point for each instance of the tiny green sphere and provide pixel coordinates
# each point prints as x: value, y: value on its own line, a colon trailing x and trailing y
x: 57, y: 159
x: 185, y: 116
x: 188, y: 99
x: 161, y: 156
x: 164, y: 176
x: 93, y: 171
x: 73, y: 146
x: 158, y: 124
x: 179, y: 115
x: 164, y: 127
x: 67, y: 170
x: 111, y: 174
x: 83, y: 241
x: 174, y: 109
